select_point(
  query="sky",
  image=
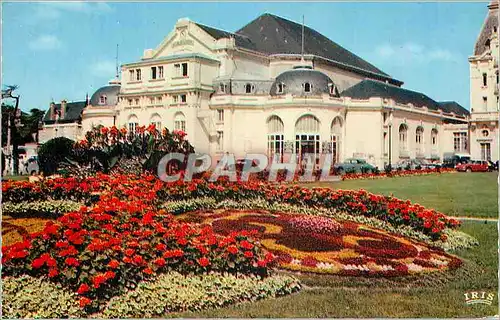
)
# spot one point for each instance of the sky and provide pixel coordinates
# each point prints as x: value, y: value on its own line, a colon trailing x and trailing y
x: 56, y: 50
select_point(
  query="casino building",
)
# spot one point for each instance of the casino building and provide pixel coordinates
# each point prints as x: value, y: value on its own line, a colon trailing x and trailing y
x: 283, y: 89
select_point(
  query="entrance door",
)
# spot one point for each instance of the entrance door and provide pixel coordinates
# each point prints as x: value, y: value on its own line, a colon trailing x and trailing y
x: 485, y: 151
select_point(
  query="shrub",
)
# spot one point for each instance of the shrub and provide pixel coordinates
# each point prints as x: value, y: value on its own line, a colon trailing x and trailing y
x: 53, y: 152
x: 29, y: 297
x: 174, y: 292
x: 44, y: 209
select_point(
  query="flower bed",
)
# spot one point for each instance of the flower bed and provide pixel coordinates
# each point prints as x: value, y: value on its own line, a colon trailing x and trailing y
x: 29, y: 297
x: 328, y: 246
x: 46, y: 209
x: 398, y: 173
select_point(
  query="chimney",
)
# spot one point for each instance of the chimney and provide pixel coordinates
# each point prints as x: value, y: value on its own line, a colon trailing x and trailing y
x: 52, y: 110
x: 63, y: 108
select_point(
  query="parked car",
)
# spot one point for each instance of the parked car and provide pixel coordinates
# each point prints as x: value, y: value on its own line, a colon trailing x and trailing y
x: 353, y: 166
x: 492, y: 166
x: 450, y: 161
x: 473, y: 166
x: 426, y: 164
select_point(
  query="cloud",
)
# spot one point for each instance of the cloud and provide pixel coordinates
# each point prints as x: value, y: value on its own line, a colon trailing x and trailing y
x: 103, y: 68
x: 46, y: 42
x: 414, y: 53
x: 50, y: 11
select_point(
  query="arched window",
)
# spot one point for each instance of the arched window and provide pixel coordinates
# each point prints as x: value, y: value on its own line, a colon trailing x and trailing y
x: 307, y: 138
x: 485, y: 133
x: 156, y: 120
x: 434, y: 138
x: 180, y: 121
x: 249, y: 88
x: 336, y: 138
x: 332, y: 88
x: 403, y: 140
x: 133, y: 123
x: 103, y: 100
x: 307, y: 87
x: 419, y: 141
x: 275, y: 138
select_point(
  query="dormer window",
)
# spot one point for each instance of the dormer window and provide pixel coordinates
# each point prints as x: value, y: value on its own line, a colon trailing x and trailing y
x: 249, y: 88
x: 332, y: 88
x: 307, y: 87
x: 487, y: 43
x: 281, y: 88
x: 103, y: 100
x: 222, y: 88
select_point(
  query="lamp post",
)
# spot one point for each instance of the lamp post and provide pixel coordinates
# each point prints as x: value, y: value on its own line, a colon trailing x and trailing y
x: 14, y: 122
x: 390, y: 141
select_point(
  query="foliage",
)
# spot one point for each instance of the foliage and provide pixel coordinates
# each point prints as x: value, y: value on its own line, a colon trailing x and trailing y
x: 53, y: 152
x: 44, y: 209
x: 105, y: 149
x: 173, y: 292
x: 30, y: 297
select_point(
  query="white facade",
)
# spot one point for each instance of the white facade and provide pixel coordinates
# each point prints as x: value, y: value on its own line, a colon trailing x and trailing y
x: 220, y: 95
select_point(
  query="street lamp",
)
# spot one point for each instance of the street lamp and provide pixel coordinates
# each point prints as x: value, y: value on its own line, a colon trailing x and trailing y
x: 14, y: 122
x: 390, y: 140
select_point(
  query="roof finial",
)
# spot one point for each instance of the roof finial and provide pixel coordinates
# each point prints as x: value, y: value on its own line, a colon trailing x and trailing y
x: 302, y: 52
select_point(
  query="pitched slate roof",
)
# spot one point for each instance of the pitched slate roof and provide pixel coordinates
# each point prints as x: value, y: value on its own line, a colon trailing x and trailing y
x: 369, y: 88
x: 490, y: 22
x: 73, y: 112
x: 240, y: 40
x: 270, y: 34
x: 452, y: 106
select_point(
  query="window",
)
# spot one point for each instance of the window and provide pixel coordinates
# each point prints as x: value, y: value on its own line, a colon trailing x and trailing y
x: 184, y: 69
x: 275, y: 139
x: 136, y: 102
x: 336, y: 137
x: 333, y: 89
x: 485, y: 133
x: 419, y: 140
x: 152, y: 100
x: 403, y: 138
x: 434, y: 136
x: 485, y: 151
x: 485, y: 103
x: 159, y: 100
x: 498, y: 78
x: 156, y: 120
x: 138, y: 73
x: 177, y: 68
x: 222, y: 88
x: 220, y: 141
x: 307, y: 138
x: 220, y: 115
x: 307, y: 87
x: 495, y: 29
x: 183, y: 98
x: 153, y: 73
x: 460, y: 141
x: 176, y: 99
x: 281, y: 88
x: 180, y: 122
x: 133, y: 123
x: 249, y: 88
x: 103, y: 99
x: 160, y: 72
x: 485, y: 79
x: 132, y: 75
x: 129, y: 102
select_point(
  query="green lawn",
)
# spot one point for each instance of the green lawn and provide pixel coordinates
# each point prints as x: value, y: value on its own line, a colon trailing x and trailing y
x: 434, y: 296
x: 455, y: 194
x: 431, y: 296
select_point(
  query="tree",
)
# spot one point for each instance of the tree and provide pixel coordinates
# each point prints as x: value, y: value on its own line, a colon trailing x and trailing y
x: 13, y: 124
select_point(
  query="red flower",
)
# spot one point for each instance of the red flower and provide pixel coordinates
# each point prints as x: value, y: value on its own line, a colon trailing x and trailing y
x: 148, y: 271
x: 113, y: 264
x: 232, y: 249
x: 53, y: 273
x: 72, y: 262
x: 138, y: 259
x: 248, y: 254
x: 109, y: 274
x: 129, y: 252
x: 246, y: 245
x: 203, y: 262
x: 38, y: 263
x: 261, y: 263
x: 84, y: 302
x: 160, y: 262
x: 83, y: 288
